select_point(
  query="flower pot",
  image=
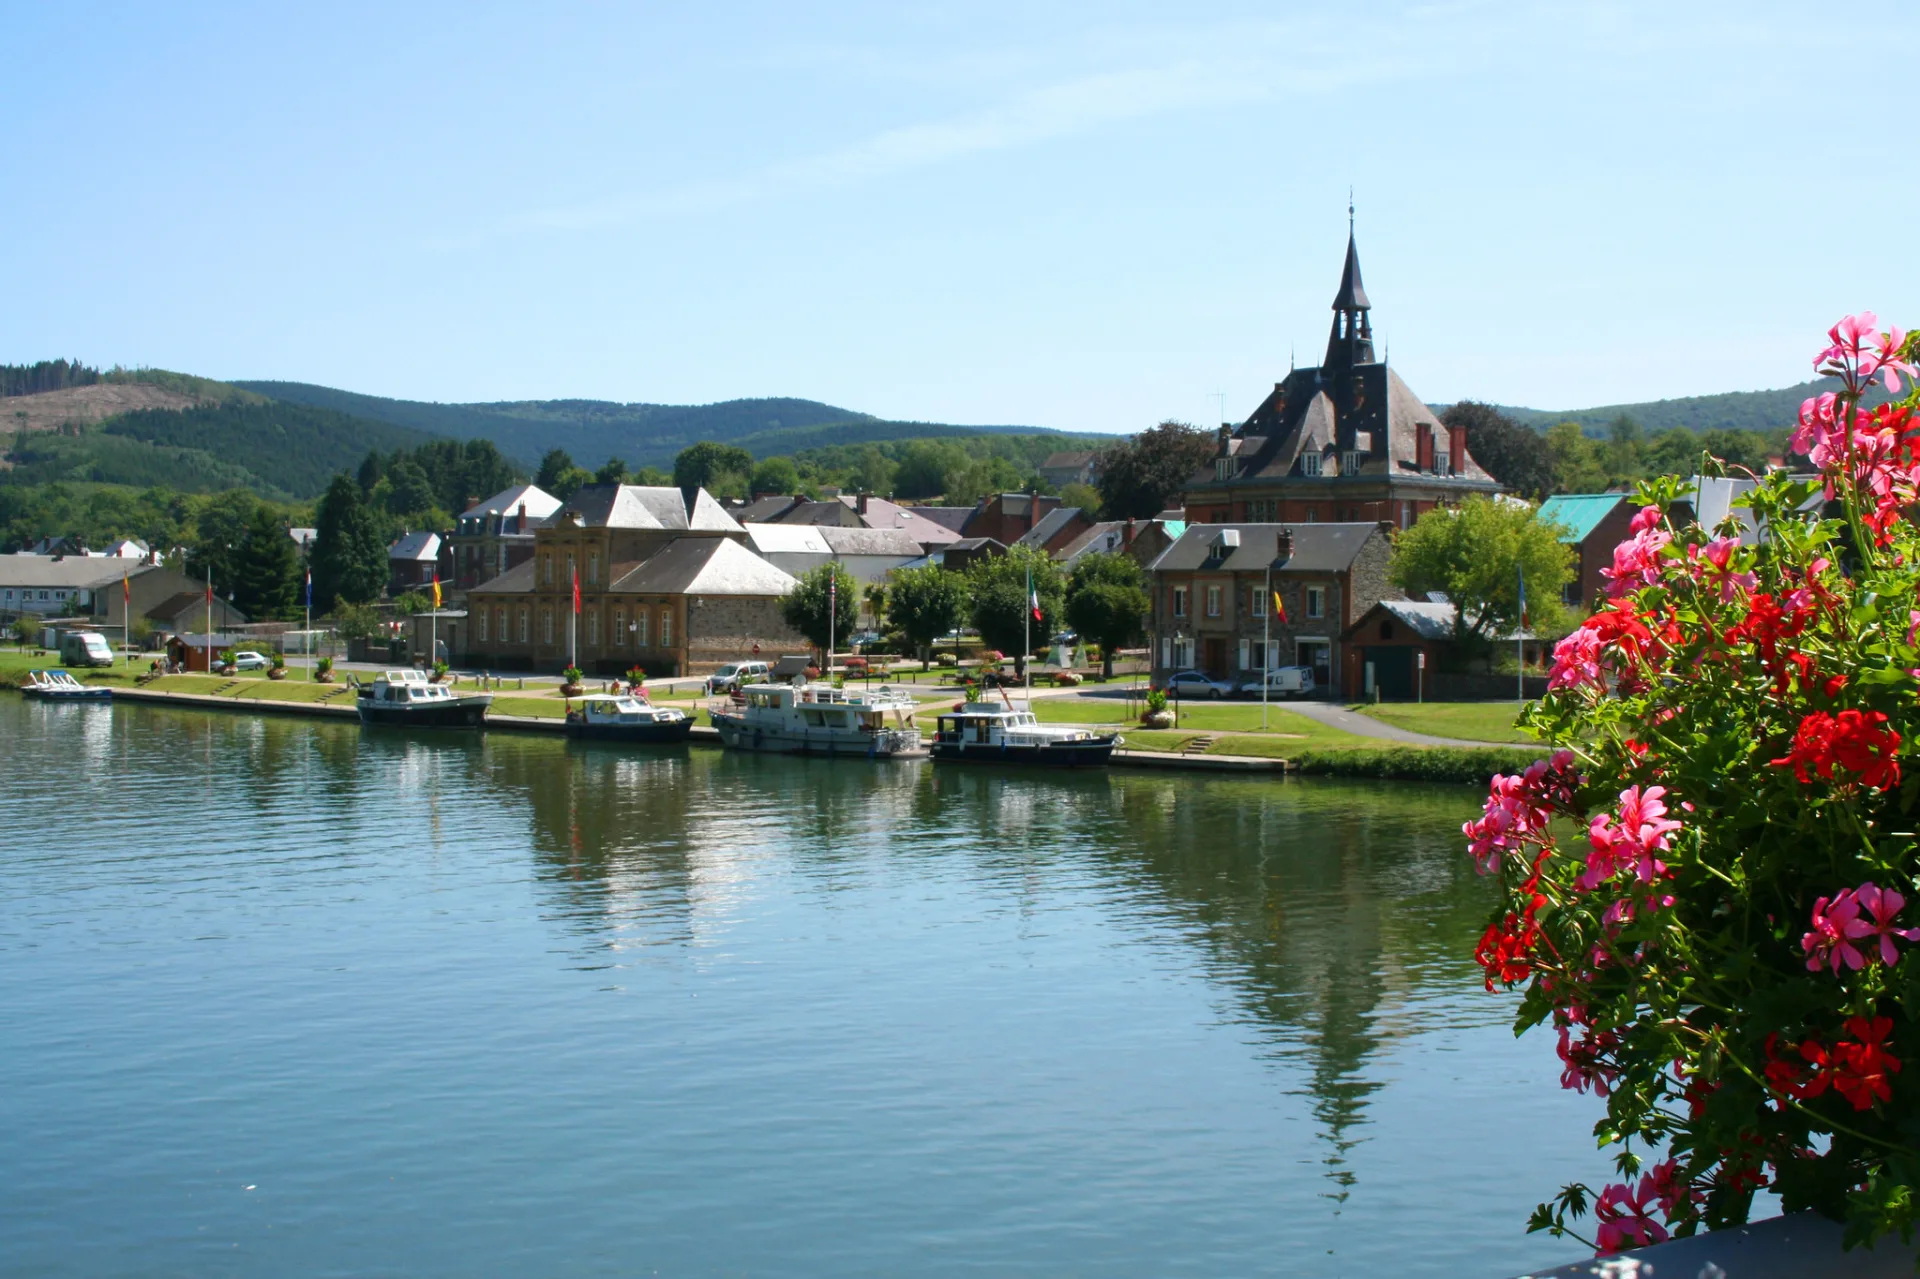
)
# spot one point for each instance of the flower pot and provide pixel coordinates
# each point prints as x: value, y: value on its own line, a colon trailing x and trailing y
x: 572, y: 690
x: 277, y: 672
x: 323, y: 677
x: 1158, y: 719
x: 227, y: 669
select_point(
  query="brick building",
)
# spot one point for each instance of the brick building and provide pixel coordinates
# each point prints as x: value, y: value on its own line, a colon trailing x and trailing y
x: 1593, y: 524
x: 1211, y: 607
x: 666, y: 584
x: 494, y: 535
x: 1345, y: 442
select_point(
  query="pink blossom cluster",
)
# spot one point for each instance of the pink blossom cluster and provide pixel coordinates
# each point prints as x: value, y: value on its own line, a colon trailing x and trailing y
x: 1518, y: 809
x: 1857, y: 345
x: 1576, y: 661
x: 1583, y: 1060
x: 1634, y: 842
x: 1636, y: 561
x: 1712, y: 566
x: 1626, y: 1215
x: 1863, y: 914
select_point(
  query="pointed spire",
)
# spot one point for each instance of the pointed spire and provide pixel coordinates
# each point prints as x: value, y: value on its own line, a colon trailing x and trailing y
x: 1351, y: 341
x: 1353, y: 294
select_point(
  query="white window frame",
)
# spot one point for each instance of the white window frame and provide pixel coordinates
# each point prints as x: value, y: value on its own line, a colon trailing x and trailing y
x: 1246, y: 654
x: 482, y: 619
x: 1213, y: 600
x: 1166, y: 652
x: 1309, y: 463
x: 593, y: 568
x: 546, y: 624
x: 1257, y: 607
x: 1273, y: 654
x: 666, y: 628
x: 619, y: 628
x: 593, y: 627
x: 1179, y: 601
x: 1316, y: 601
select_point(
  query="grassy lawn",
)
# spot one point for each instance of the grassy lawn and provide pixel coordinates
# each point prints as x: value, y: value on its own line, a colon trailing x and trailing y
x: 1195, y: 717
x: 532, y: 707
x: 1468, y: 721
x: 14, y: 665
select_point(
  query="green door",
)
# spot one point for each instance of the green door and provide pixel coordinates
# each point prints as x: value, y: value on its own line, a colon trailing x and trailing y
x: 1392, y: 671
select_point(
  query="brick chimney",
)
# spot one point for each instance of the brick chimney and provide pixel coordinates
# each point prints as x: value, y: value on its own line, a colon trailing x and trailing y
x: 1457, y: 448
x: 520, y: 519
x: 1126, y: 535
x: 1033, y: 509
x: 860, y: 503
x: 1283, y: 549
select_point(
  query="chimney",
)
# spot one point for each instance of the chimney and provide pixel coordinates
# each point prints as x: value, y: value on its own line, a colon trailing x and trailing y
x: 1284, y: 545
x: 520, y: 519
x: 860, y: 503
x: 1126, y: 535
x: 1033, y: 509
x: 1457, y: 449
x: 1226, y: 440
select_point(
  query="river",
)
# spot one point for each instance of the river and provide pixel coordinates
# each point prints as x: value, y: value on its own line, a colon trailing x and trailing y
x: 288, y: 998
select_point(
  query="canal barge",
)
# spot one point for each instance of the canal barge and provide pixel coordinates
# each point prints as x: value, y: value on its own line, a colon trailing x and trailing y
x: 604, y: 717
x: 61, y: 686
x: 408, y: 699
x: 978, y: 732
x: 818, y: 719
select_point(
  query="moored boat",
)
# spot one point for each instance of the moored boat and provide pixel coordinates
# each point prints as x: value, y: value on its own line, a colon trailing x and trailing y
x: 978, y: 732
x: 407, y: 699
x: 604, y: 717
x: 818, y: 719
x: 61, y: 686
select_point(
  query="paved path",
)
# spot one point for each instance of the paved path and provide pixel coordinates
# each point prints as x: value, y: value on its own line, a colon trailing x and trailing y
x: 1367, y: 726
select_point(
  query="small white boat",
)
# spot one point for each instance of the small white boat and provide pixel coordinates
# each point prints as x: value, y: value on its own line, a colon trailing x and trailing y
x: 617, y: 717
x: 407, y: 699
x: 819, y: 719
x: 979, y: 732
x: 60, y: 686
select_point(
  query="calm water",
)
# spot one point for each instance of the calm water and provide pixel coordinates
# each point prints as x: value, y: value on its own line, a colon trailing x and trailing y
x: 280, y: 998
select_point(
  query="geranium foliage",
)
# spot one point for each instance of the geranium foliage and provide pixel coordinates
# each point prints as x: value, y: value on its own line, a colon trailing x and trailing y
x: 1710, y: 891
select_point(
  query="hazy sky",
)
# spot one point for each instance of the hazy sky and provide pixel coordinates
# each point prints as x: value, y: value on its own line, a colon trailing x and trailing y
x: 1089, y: 217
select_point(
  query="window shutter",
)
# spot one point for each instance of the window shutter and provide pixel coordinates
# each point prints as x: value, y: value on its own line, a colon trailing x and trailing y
x: 1166, y: 651
x: 1246, y: 654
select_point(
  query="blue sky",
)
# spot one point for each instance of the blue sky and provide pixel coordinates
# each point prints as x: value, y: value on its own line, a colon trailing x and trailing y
x: 1083, y: 217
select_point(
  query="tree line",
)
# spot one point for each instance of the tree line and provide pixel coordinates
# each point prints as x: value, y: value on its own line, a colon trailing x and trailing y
x: 45, y: 375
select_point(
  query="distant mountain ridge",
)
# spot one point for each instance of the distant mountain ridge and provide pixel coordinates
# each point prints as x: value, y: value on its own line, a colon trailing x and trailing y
x: 1731, y: 410
x: 640, y: 434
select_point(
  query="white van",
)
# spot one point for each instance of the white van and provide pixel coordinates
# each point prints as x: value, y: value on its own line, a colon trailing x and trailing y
x: 1282, y: 681
x: 85, y: 648
x: 730, y: 677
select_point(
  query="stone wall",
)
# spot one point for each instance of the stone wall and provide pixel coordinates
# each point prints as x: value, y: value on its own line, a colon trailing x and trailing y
x: 1369, y: 577
x: 725, y: 628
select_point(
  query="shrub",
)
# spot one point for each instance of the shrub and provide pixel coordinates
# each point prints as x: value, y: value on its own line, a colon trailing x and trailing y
x: 1707, y: 900
x: 572, y: 675
x: 1156, y: 701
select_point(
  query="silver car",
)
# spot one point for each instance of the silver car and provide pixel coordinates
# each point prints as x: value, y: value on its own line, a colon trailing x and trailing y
x: 1194, y: 685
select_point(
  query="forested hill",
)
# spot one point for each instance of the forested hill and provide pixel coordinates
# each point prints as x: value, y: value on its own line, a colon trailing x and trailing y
x: 642, y: 434
x: 1761, y: 411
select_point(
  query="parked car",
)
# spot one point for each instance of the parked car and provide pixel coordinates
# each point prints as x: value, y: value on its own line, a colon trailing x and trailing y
x: 1282, y: 681
x: 248, y: 660
x: 1192, y: 685
x: 85, y: 648
x: 730, y: 677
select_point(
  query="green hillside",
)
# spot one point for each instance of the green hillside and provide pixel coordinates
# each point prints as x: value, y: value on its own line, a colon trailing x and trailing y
x: 1761, y: 411
x: 643, y: 434
x: 244, y: 441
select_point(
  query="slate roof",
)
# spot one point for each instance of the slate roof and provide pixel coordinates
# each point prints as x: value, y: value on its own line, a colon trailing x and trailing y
x: 868, y: 541
x: 516, y: 580
x: 1580, y: 513
x: 75, y: 572
x: 1049, y: 526
x: 844, y: 511
x: 418, y: 547
x: 705, y: 566
x: 1317, y: 548
x: 539, y: 503
x: 174, y: 605
x: 1424, y: 618
x: 647, y: 507
x: 763, y: 510
x: 787, y: 539
x: 953, y: 517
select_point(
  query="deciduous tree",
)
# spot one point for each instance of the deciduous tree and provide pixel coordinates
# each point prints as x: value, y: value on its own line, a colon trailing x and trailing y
x: 1141, y: 475
x: 696, y: 465
x: 1107, y: 603
x: 806, y: 609
x: 1476, y: 553
x: 924, y: 604
x: 1002, y: 611
x: 1515, y: 455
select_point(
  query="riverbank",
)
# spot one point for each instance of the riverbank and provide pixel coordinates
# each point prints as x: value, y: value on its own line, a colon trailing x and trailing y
x: 1325, y: 752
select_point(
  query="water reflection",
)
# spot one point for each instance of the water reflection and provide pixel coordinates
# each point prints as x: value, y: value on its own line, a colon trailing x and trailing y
x: 1335, y: 917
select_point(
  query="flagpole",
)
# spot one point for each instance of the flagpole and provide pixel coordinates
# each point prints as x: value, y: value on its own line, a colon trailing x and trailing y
x: 209, y: 617
x: 307, y: 639
x: 1026, y: 640
x: 1266, y: 645
x: 833, y: 606
x: 1519, y: 638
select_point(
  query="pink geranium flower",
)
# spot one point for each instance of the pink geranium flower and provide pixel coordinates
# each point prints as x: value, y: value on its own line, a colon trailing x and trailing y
x: 1836, y: 926
x: 1881, y: 905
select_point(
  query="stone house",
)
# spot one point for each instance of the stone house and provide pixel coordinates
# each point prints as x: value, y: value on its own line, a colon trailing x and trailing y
x: 1211, y: 606
x: 412, y: 562
x: 1139, y: 540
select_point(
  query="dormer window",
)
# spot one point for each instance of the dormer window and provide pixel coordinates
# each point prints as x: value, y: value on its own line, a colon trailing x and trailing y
x: 1223, y: 468
x: 1350, y: 462
x: 1309, y: 464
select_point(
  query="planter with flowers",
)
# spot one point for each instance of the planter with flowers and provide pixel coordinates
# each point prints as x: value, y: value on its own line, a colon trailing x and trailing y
x: 279, y: 668
x: 323, y: 671
x: 1707, y: 899
x: 570, y: 685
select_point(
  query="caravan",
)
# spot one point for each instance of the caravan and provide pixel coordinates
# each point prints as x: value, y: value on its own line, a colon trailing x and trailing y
x: 85, y: 648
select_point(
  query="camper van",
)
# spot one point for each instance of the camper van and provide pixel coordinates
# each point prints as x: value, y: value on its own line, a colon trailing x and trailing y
x: 85, y: 648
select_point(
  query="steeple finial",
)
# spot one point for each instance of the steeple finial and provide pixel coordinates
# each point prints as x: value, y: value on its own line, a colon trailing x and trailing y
x: 1349, y: 213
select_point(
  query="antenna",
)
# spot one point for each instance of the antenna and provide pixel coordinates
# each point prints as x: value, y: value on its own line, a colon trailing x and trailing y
x: 1220, y: 401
